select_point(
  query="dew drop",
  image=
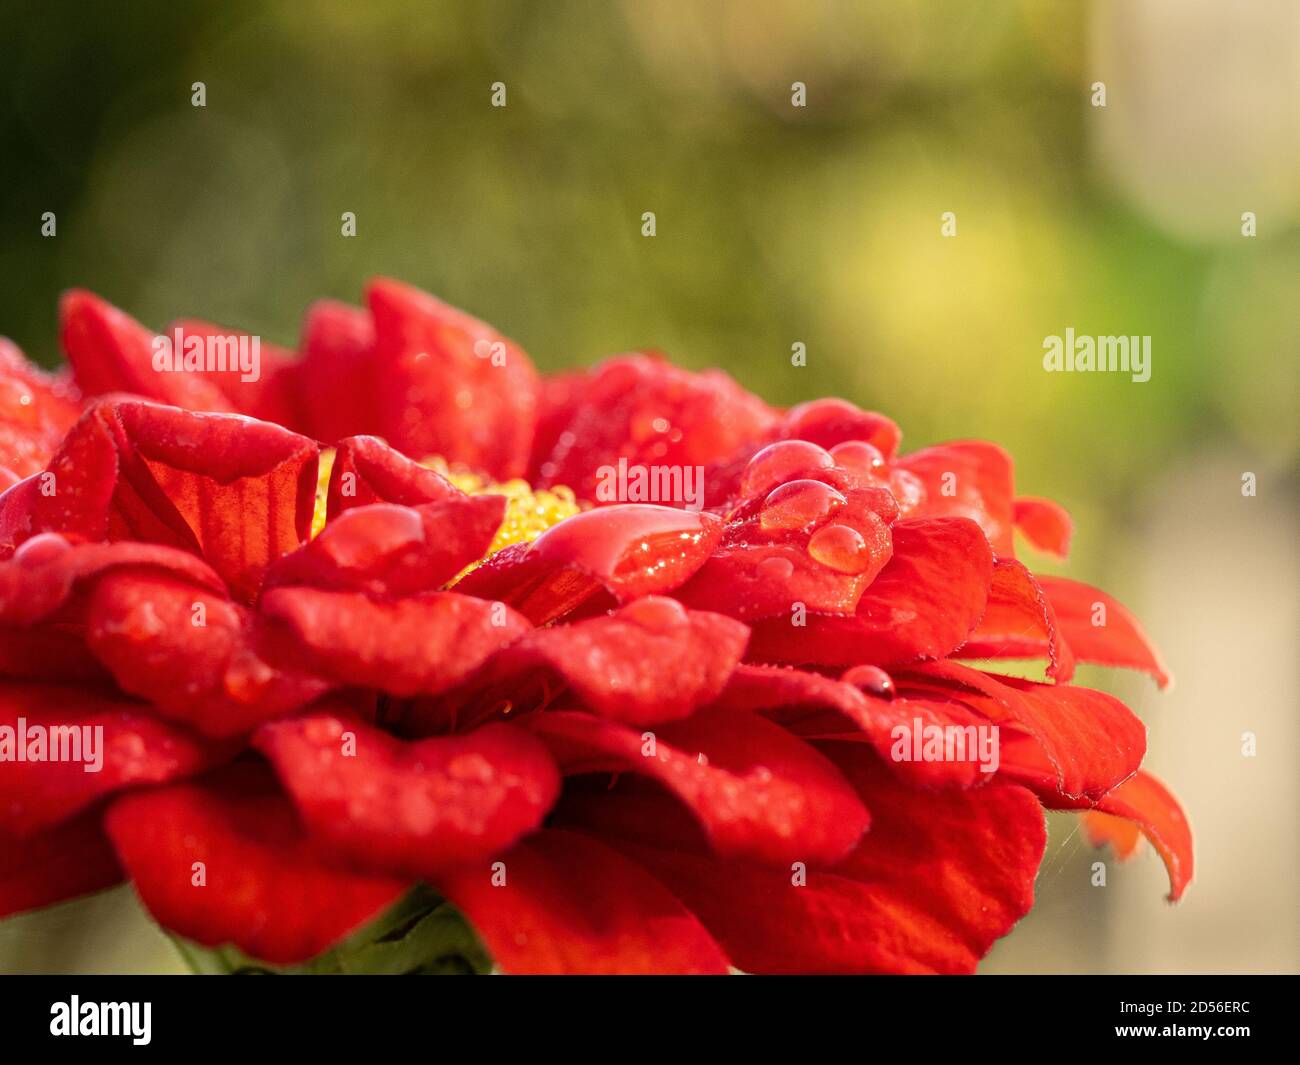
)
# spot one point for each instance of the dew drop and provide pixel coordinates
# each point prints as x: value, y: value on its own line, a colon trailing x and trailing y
x: 798, y: 504
x: 41, y: 548
x: 840, y: 548
x: 775, y: 568
x: 779, y: 462
x: 860, y: 457
x: 870, y: 679
x: 656, y: 612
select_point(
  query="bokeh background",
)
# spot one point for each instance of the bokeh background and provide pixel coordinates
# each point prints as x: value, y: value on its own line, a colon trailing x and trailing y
x: 775, y: 224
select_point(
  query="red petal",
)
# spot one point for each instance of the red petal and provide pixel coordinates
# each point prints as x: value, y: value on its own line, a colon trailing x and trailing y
x: 644, y: 410
x: 334, y: 384
x: 112, y: 352
x: 756, y: 790
x: 923, y: 604
x: 453, y: 386
x: 49, y: 652
x: 611, y: 917
x: 130, y: 748
x: 42, y: 613
x: 190, y: 653
x: 936, y: 881
x: 238, y: 492
x: 366, y: 470
x: 36, y: 410
x: 1090, y: 741
x: 268, y: 888
x: 816, y: 707
x: 1019, y: 622
x: 614, y: 553
x: 18, y: 503
x: 653, y: 661
x: 419, y: 808
x: 1045, y: 523
x: 758, y: 572
x: 1117, y: 641
x: 650, y: 662
x: 1124, y: 837
x: 268, y: 393
x: 558, y: 398
x: 1149, y: 804
x: 966, y: 479
x: 386, y: 550
x: 44, y: 571
x: 60, y: 863
x: 419, y: 646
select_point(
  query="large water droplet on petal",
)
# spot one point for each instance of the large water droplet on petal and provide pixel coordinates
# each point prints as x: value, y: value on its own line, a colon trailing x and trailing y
x: 798, y: 504
x: 840, y: 548
x: 657, y: 613
x: 860, y: 457
x: 780, y: 462
x: 634, y: 548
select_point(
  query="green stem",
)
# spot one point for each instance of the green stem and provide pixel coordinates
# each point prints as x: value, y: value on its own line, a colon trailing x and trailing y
x: 420, y: 935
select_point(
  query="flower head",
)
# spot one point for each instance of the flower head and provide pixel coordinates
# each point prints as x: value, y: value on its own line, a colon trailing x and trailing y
x: 369, y: 621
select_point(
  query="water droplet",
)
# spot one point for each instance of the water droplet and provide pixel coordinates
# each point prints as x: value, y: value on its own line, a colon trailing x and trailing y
x: 41, y: 548
x: 870, y: 679
x: 633, y: 548
x: 775, y: 568
x: 840, y: 548
x: 860, y: 457
x: 798, y: 504
x: 781, y: 462
x: 656, y: 612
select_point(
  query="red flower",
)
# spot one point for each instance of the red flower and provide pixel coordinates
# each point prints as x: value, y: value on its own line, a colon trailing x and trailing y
x: 624, y: 737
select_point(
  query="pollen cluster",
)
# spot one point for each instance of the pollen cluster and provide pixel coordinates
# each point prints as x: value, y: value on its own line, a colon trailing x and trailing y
x: 324, y: 468
x: 529, y: 511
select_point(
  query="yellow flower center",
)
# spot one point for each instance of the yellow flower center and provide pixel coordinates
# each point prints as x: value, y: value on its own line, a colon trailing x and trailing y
x: 323, y: 469
x: 529, y: 511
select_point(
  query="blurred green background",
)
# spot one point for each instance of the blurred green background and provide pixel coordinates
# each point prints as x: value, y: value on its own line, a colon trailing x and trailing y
x: 775, y: 225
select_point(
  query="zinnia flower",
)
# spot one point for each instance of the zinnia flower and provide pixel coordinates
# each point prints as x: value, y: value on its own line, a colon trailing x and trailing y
x: 353, y: 696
